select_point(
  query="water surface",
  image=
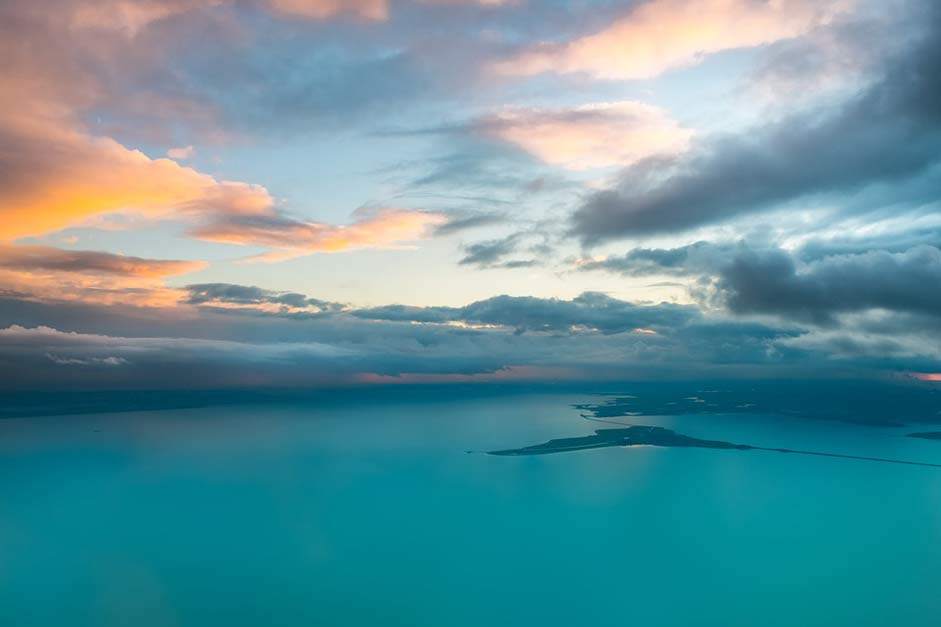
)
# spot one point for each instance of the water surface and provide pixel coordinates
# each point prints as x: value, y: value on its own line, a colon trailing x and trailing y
x: 373, y: 513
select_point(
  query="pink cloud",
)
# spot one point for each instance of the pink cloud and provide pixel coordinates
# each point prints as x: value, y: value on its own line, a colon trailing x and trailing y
x: 386, y: 228
x: 589, y: 136
x: 325, y: 9
x: 663, y: 34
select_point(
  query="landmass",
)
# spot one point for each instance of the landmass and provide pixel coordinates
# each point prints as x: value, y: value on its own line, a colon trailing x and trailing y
x: 642, y: 435
x: 870, y: 403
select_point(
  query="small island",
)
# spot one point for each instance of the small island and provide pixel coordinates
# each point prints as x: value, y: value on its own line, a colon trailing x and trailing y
x: 643, y: 435
x: 631, y: 436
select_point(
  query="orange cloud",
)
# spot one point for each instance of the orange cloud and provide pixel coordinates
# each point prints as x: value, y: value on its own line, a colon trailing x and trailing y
x: 54, y: 173
x: 293, y: 238
x: 60, y: 177
x: 54, y: 274
x: 325, y: 9
x: 927, y: 376
x: 590, y: 136
x: 663, y: 34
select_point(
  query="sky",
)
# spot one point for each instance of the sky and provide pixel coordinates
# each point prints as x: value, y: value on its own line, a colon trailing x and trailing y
x: 240, y: 193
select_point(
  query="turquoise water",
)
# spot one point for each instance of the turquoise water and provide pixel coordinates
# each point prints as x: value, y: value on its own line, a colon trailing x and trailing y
x: 373, y: 513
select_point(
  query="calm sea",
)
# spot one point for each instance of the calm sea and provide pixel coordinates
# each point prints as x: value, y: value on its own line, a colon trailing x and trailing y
x: 374, y: 513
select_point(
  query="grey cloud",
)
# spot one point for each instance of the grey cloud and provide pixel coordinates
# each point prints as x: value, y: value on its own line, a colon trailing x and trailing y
x: 490, y: 253
x: 465, y: 222
x: 89, y: 361
x: 31, y: 357
x: 693, y: 259
x: 815, y: 283
x: 771, y: 282
x: 209, y: 293
x: 894, y: 242
x: 591, y: 311
x: 589, y: 335
x: 496, y: 253
x: 405, y: 313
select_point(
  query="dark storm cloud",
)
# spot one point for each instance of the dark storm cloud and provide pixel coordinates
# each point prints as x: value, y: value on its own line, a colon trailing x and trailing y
x: 814, y: 283
x: 889, y: 132
x: 771, y: 282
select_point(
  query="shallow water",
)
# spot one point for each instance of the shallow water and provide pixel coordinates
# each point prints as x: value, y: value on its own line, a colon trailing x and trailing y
x: 373, y: 513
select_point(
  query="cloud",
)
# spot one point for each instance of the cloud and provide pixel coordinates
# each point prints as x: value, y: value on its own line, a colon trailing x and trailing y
x: 888, y: 133
x: 591, y: 337
x: 817, y: 284
x: 493, y: 253
x: 57, y: 173
x: 385, y: 228
x: 591, y: 311
x: 479, y: 3
x: 697, y: 258
x: 63, y: 177
x: 532, y: 244
x: 325, y: 9
x: 181, y: 154
x: 128, y: 16
x: 53, y: 177
x: 47, y: 258
x: 91, y: 361
x: 28, y: 355
x: 659, y: 35
x: 57, y: 274
x: 465, y: 221
x: 589, y: 136
x: 377, y: 10
x: 228, y: 294
x: 770, y: 282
